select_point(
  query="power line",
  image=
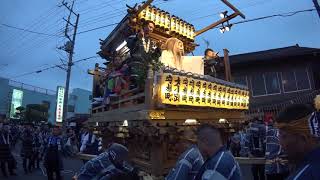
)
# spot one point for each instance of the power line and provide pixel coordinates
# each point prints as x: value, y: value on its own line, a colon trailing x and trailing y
x: 97, y: 28
x: 51, y: 67
x: 26, y: 30
x: 287, y: 14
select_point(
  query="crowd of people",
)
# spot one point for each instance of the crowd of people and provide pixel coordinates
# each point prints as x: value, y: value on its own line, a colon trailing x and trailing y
x: 290, y: 147
x: 41, y: 144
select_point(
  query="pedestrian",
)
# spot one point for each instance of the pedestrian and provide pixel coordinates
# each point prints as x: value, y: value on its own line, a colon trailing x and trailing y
x: 108, y: 164
x: 90, y: 143
x: 276, y: 168
x: 256, y: 143
x: 52, y: 157
x: 27, y: 148
x: 37, y: 149
x: 299, y: 127
x: 219, y: 164
x: 190, y: 161
x: 6, y: 158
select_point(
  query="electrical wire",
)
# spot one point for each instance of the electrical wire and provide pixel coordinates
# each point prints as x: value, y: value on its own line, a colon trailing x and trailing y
x: 26, y: 30
x: 97, y: 28
x: 51, y: 67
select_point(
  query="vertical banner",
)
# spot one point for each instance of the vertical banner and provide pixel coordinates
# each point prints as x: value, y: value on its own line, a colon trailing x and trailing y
x: 16, y: 101
x: 59, y: 108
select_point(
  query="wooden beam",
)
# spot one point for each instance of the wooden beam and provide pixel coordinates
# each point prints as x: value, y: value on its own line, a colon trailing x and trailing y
x: 227, y: 68
x: 233, y: 8
x: 197, y: 33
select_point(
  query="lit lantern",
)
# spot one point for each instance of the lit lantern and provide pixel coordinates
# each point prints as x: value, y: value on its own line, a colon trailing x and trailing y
x: 192, y: 32
x: 148, y: 13
x: 173, y: 24
x: 181, y: 29
x: 184, y: 29
x: 177, y: 26
x: 142, y: 15
x: 167, y: 21
x: 153, y: 14
x: 163, y: 19
x: 157, y: 17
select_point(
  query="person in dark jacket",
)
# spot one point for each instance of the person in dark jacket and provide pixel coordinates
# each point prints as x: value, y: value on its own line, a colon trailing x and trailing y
x: 37, y: 143
x: 27, y: 148
x: 219, y: 164
x: 6, y: 157
x: 53, y: 155
x: 299, y: 127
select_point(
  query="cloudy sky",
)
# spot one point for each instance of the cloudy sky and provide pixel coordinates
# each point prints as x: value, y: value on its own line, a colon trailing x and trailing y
x: 23, y: 52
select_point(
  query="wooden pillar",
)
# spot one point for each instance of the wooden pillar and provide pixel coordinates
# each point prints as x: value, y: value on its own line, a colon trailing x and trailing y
x: 157, y: 158
x: 227, y: 68
x: 149, y: 89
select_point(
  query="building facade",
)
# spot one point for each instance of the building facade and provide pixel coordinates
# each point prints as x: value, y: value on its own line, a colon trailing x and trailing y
x: 14, y: 94
x: 278, y: 77
x: 79, y: 102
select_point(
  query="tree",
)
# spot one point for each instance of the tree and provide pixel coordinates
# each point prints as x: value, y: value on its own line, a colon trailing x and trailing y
x: 37, y: 113
x: 20, y: 113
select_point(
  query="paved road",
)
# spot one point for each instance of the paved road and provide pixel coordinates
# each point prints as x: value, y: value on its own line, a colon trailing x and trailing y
x: 71, y: 166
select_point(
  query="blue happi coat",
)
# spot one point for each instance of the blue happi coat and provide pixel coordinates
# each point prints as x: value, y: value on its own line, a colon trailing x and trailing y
x: 309, y: 169
x: 220, y: 166
x: 274, y: 165
x: 187, y: 166
x: 98, y: 166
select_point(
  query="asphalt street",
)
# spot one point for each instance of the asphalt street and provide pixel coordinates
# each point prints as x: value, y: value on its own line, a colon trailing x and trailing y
x: 71, y: 167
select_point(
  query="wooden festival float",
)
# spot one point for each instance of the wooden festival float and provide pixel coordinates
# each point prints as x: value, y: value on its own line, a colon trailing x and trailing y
x: 149, y: 119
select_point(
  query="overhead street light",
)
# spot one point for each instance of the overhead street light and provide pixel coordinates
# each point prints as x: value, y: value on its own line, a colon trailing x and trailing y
x: 224, y: 14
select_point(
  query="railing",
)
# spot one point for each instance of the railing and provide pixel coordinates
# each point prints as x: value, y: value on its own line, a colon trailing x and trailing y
x: 276, y: 108
x: 31, y: 88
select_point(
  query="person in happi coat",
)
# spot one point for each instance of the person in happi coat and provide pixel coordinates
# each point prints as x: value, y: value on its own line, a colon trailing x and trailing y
x: 27, y: 148
x: 190, y: 161
x: 53, y: 155
x: 220, y: 163
x: 299, y: 137
x: 6, y: 158
x: 276, y: 167
x: 106, y: 165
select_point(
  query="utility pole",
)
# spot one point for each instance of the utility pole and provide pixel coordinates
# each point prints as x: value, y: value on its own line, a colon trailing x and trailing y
x: 316, y: 4
x: 69, y: 48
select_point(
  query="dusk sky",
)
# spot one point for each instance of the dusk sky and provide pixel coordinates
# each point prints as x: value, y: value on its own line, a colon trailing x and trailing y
x: 23, y: 52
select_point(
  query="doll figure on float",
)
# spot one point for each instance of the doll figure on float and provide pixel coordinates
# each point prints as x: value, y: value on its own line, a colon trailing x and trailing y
x: 172, y: 53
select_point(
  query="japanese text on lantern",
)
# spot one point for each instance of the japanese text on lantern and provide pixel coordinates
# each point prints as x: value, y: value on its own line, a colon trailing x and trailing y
x: 181, y: 90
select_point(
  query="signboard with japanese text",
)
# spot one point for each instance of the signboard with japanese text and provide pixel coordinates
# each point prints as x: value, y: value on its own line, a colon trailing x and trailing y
x: 59, y: 108
x: 182, y: 90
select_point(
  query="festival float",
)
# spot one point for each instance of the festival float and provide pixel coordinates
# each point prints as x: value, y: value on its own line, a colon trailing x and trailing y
x: 146, y: 101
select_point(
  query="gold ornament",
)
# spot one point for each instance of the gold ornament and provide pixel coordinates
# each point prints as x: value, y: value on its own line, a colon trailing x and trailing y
x: 317, y: 102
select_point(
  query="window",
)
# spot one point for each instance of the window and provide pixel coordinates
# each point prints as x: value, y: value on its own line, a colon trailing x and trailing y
x: 90, y: 97
x: 73, y: 97
x: 295, y: 80
x: 258, y: 86
x: 272, y: 83
x: 70, y: 108
x: 265, y: 84
x: 241, y: 80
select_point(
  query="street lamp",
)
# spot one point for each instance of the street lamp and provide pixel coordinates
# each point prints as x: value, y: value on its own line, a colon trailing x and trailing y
x: 224, y: 14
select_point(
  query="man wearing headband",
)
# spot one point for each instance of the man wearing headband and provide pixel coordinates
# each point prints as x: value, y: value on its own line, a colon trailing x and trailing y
x: 190, y: 161
x: 299, y: 137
